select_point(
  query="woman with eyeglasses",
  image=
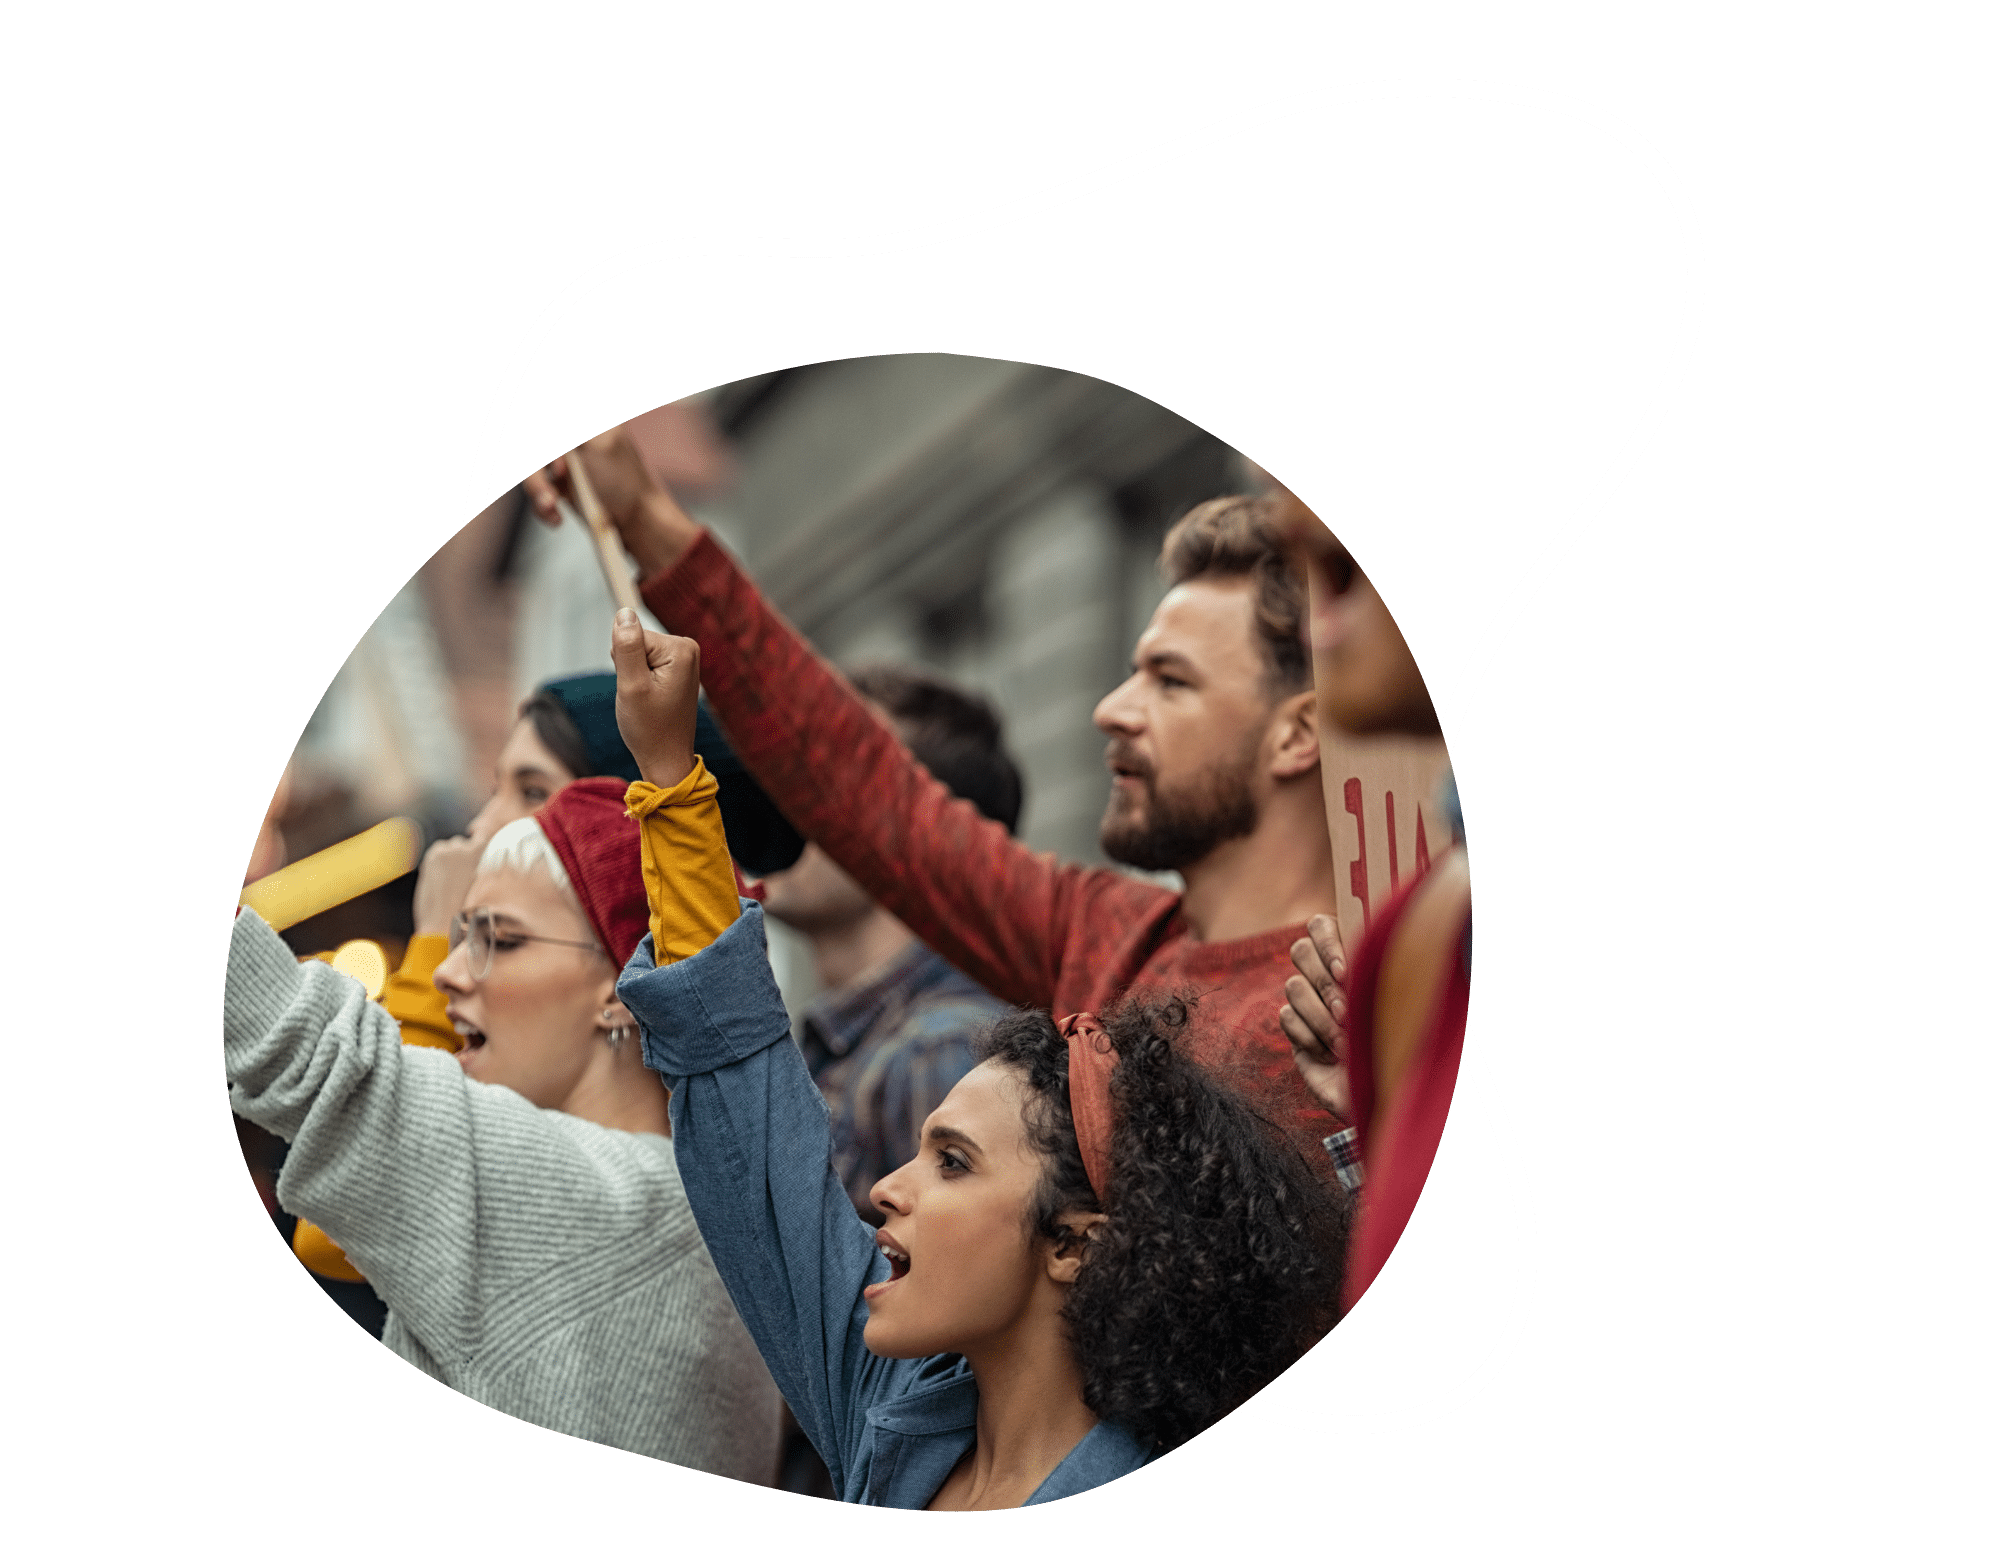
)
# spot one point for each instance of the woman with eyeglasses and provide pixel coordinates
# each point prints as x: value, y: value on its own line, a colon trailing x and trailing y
x: 566, y: 729
x: 517, y: 1207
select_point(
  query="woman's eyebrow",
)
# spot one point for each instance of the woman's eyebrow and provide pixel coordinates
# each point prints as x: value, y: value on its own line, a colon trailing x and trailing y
x: 951, y: 1135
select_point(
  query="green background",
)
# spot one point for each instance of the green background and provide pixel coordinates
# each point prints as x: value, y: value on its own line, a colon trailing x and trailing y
x: 1723, y: 781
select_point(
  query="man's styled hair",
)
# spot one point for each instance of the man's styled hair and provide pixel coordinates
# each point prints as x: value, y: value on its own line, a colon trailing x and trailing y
x: 954, y: 733
x: 1238, y: 535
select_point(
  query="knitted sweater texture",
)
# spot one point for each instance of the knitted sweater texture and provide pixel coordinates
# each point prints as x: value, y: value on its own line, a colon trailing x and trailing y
x: 542, y: 1264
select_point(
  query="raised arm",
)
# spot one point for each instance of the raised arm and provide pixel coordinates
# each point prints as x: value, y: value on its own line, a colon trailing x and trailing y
x: 999, y: 912
x: 437, y: 1187
x: 750, y: 1131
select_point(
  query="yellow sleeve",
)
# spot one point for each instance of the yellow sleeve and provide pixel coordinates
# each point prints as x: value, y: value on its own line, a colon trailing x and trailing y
x: 414, y: 1002
x: 320, y: 1254
x: 690, y: 882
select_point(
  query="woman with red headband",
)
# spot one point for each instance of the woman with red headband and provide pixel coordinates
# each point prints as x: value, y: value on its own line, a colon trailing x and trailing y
x: 518, y: 1208
x: 1096, y: 1253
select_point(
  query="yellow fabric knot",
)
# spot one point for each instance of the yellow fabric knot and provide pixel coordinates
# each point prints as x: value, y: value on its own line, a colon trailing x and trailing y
x: 643, y: 798
x: 690, y: 882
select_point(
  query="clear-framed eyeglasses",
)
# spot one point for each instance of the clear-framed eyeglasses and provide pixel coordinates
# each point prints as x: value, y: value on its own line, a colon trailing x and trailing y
x: 483, y: 934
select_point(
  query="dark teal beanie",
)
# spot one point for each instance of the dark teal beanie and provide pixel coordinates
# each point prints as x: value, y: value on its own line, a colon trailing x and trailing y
x: 760, y: 839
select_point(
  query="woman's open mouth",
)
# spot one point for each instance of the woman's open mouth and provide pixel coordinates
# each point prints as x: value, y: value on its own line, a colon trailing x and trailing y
x: 471, y: 1034
x: 899, y: 1265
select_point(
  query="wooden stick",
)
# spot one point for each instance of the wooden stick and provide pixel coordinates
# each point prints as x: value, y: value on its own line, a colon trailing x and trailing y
x: 610, y: 551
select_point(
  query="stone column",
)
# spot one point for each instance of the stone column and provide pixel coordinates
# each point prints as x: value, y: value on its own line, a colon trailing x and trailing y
x: 1055, y: 600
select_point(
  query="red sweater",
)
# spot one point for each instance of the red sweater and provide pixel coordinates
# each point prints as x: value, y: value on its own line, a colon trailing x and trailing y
x: 1029, y: 928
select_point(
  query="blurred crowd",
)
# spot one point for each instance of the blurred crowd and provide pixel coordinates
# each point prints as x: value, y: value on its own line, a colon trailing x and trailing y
x: 1061, y: 1163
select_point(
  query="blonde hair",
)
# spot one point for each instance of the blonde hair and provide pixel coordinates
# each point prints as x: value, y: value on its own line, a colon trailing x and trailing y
x: 523, y: 845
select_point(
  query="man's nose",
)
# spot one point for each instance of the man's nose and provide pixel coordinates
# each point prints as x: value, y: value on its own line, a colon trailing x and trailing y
x: 1117, y: 712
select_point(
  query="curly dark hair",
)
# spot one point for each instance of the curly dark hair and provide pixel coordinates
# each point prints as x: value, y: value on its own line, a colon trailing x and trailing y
x: 1219, y: 1260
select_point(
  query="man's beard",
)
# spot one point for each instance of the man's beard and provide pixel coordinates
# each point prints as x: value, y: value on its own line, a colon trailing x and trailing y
x: 1185, y: 826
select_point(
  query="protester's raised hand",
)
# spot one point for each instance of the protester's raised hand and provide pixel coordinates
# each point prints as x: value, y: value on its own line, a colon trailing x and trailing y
x: 443, y: 878
x: 653, y: 527
x: 1314, y: 1017
x: 616, y: 470
x: 659, y: 679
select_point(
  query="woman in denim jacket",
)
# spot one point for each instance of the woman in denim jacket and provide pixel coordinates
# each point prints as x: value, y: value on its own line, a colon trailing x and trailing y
x: 1095, y: 1254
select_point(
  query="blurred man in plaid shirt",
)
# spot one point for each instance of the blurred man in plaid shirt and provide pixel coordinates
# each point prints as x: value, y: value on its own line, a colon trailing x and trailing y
x: 893, y: 1028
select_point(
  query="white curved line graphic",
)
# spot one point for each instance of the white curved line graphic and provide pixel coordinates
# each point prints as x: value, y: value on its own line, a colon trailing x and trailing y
x: 1491, y: 639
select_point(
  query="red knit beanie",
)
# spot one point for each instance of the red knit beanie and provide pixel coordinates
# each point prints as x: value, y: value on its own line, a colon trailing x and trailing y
x: 598, y: 844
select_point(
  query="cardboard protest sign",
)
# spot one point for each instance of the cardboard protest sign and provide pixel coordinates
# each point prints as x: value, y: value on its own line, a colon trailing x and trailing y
x: 1383, y: 815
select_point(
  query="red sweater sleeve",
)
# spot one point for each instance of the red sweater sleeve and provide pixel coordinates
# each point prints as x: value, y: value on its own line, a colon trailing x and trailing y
x: 1000, y: 913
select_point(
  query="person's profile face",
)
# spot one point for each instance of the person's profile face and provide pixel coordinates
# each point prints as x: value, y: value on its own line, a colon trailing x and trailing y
x: 532, y: 1023
x: 526, y: 776
x: 1193, y: 710
x: 958, y: 1212
x: 815, y: 893
x: 1365, y: 678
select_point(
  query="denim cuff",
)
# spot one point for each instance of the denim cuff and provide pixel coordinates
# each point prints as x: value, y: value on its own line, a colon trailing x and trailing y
x: 718, y: 1006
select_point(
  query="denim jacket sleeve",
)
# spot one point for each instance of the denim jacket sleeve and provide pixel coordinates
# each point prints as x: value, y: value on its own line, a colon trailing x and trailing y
x: 752, y: 1142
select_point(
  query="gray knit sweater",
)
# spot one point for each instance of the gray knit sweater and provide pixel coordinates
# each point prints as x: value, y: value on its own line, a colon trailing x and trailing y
x: 544, y: 1265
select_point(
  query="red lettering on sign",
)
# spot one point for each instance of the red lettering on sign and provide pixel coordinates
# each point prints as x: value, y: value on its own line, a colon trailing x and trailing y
x: 1389, y: 809
x: 1423, y: 847
x: 1357, y: 872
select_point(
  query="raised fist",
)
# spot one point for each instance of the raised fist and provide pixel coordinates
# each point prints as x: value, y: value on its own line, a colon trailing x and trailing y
x: 652, y: 526
x: 659, y: 679
x: 443, y: 878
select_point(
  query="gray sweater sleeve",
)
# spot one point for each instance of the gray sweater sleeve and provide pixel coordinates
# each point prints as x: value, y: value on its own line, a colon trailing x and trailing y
x: 448, y: 1194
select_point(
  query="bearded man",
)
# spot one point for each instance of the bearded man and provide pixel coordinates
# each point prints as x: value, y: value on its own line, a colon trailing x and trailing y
x: 1215, y: 762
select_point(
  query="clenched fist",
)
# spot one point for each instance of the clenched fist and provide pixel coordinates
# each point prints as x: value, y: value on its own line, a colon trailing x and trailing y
x: 653, y: 527
x: 659, y: 679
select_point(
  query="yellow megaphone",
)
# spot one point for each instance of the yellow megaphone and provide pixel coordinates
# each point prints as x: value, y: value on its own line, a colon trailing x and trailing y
x: 348, y: 869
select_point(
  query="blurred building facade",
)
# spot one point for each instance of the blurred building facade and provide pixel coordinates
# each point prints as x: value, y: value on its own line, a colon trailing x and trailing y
x: 999, y: 522
x: 994, y: 521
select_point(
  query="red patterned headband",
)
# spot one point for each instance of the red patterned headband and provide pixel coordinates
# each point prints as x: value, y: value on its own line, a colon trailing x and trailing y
x: 1091, y: 1059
